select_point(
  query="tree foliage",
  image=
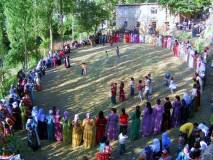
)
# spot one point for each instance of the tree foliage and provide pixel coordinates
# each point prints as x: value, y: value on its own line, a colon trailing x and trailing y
x: 186, y: 7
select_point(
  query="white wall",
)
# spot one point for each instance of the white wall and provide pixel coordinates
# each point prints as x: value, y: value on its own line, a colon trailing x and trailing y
x: 141, y: 13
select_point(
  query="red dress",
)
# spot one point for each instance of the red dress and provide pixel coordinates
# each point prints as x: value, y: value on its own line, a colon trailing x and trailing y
x: 122, y: 94
x: 176, y: 49
x: 164, y: 42
x: 100, y: 129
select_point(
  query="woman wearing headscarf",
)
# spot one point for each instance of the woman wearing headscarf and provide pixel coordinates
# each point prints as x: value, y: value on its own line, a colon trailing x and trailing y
x: 66, y: 128
x: 112, y: 130
x: 34, y: 113
x: 77, y: 132
x: 50, y: 126
x: 89, y: 132
x: 176, y: 113
x: 156, y: 147
x: 16, y: 114
x: 186, y: 101
x: 32, y: 135
x: 167, y: 115
x: 101, y: 123
x: 23, y: 114
x: 158, y: 114
x: 42, y: 125
x: 58, y: 127
x: 135, y: 124
x: 166, y: 141
x: 148, y: 120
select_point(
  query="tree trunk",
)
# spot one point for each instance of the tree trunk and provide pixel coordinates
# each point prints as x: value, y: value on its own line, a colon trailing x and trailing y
x: 51, y: 38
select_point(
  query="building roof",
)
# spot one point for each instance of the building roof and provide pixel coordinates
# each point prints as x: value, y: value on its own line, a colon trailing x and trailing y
x: 136, y: 4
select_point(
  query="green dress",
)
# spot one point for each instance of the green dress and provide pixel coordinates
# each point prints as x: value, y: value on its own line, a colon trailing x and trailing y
x: 66, y: 131
x: 135, y: 127
x: 23, y: 115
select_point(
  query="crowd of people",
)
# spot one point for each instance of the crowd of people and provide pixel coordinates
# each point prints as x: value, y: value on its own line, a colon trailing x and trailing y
x: 17, y: 111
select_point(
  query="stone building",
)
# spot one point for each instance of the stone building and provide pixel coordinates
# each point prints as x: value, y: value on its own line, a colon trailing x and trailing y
x: 144, y: 16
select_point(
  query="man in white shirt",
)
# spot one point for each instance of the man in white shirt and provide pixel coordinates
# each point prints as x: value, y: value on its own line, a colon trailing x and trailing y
x: 122, y: 139
x: 146, y: 87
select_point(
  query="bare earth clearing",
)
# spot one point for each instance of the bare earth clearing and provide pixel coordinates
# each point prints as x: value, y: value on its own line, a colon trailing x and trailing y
x: 68, y: 90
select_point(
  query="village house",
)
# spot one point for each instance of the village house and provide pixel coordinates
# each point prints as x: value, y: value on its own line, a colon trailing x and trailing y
x: 143, y: 16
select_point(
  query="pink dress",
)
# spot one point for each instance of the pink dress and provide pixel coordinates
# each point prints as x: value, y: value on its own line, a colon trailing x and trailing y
x: 58, y: 128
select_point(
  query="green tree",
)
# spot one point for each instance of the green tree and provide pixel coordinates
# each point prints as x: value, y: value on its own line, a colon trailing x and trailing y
x: 185, y: 7
x: 90, y: 15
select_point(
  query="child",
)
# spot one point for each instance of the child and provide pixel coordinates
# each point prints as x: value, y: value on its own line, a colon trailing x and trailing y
x: 122, y: 139
x: 132, y: 87
x: 167, y: 78
x: 122, y: 96
x: 83, y: 69
x: 117, y: 51
x: 172, y: 85
x: 140, y: 87
x: 113, y: 93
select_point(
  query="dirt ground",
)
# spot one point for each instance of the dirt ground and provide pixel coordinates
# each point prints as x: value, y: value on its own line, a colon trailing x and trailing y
x: 68, y: 90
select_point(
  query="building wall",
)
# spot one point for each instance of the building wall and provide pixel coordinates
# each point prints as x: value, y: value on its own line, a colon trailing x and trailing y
x: 142, y: 13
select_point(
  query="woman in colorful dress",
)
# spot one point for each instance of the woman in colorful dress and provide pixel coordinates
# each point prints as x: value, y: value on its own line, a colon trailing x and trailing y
x: 112, y: 130
x: 66, y: 129
x: 58, y: 126
x: 101, y: 123
x: 169, y: 42
x: 50, y: 126
x: 176, y: 113
x: 123, y: 119
x: 42, y: 125
x: 176, y: 49
x: 77, y: 132
x: 32, y: 135
x: 158, y: 113
x: 88, y: 132
x: 122, y: 96
x: 164, y: 42
x: 148, y: 120
x: 135, y: 124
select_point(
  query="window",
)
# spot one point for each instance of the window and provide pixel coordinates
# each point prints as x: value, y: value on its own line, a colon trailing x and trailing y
x: 154, y: 10
x: 138, y: 24
x: 125, y: 23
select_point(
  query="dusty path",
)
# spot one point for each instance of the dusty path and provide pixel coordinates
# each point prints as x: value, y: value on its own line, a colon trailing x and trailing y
x: 68, y: 90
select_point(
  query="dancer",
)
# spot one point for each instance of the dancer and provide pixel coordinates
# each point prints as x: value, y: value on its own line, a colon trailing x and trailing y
x: 172, y: 85
x: 135, y: 124
x: 88, y: 132
x: 132, y: 87
x: 112, y: 130
x: 158, y: 113
x: 122, y: 96
x: 101, y: 123
x: 148, y: 120
x: 77, y: 132
x: 66, y: 128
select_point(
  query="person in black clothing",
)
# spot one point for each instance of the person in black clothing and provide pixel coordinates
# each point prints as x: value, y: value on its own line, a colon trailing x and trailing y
x: 167, y: 115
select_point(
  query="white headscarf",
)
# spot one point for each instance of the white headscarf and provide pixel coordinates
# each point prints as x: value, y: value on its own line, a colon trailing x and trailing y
x: 187, y: 98
x: 76, y: 118
x: 155, y: 145
x: 15, y: 105
x: 88, y: 115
